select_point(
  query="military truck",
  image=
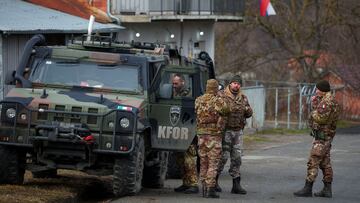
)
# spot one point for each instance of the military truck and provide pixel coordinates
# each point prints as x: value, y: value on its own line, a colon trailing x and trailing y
x: 100, y: 107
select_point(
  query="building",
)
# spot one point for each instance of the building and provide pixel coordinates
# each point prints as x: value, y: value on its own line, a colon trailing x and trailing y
x: 347, y: 79
x: 344, y: 79
x: 19, y: 20
x: 187, y: 25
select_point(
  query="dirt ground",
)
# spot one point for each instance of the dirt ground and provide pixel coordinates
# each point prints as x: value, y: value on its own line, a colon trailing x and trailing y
x: 69, y: 186
x: 72, y: 186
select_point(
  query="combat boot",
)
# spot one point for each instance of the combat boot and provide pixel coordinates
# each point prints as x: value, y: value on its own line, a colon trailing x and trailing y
x: 211, y: 193
x: 217, y: 186
x: 181, y: 188
x: 192, y: 190
x: 237, y: 189
x: 325, y: 192
x: 306, y: 191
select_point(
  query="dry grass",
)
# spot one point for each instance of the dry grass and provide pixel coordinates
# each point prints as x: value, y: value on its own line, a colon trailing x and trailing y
x: 69, y: 186
x: 261, y: 140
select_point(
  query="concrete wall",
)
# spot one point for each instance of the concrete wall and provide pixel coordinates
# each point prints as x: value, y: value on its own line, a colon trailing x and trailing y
x: 187, y: 34
x: 1, y: 70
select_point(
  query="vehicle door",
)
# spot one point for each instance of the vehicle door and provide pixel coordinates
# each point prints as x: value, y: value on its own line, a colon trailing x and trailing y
x: 172, y: 117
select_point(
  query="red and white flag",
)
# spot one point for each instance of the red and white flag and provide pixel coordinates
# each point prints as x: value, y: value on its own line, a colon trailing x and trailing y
x: 266, y: 9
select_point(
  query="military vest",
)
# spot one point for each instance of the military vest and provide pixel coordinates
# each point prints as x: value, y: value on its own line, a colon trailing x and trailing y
x: 208, y: 110
x: 325, y: 115
x: 236, y: 119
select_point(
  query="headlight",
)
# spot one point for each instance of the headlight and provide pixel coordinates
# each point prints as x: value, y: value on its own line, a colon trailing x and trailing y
x: 10, y: 113
x: 23, y: 116
x: 124, y: 122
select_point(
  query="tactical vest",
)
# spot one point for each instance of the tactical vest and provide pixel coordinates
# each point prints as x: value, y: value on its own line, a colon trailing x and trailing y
x: 207, y: 116
x: 237, y: 118
x: 324, y: 121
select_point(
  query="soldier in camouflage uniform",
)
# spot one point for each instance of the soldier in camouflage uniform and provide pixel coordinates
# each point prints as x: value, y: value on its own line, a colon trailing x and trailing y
x: 240, y: 110
x: 210, y: 109
x: 187, y: 161
x: 322, y: 121
x: 179, y: 87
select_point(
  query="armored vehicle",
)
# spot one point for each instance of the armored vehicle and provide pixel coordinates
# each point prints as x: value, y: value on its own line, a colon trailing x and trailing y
x: 100, y: 107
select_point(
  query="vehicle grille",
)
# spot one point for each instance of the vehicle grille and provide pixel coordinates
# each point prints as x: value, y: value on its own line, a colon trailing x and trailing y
x: 92, y: 119
x: 59, y: 116
x: 75, y: 118
x: 43, y: 116
x: 72, y: 118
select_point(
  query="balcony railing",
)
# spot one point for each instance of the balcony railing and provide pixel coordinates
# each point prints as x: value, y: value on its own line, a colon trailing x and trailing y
x: 178, y: 7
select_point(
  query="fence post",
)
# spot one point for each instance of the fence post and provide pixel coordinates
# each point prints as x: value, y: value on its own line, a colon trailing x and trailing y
x: 199, y: 4
x: 175, y: 7
x: 161, y: 7
x: 300, y: 106
x: 289, y: 112
x: 276, y: 107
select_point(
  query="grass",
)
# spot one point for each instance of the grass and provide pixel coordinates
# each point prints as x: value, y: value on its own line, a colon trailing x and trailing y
x: 70, y: 186
x: 285, y: 131
x: 253, y: 138
x: 282, y: 131
x: 346, y: 124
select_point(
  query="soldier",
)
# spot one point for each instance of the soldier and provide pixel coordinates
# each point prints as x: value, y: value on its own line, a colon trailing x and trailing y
x: 240, y: 110
x: 322, y: 121
x: 179, y: 87
x: 186, y: 160
x: 210, y: 109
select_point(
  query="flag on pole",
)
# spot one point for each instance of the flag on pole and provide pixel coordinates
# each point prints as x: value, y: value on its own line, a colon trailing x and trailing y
x: 266, y: 9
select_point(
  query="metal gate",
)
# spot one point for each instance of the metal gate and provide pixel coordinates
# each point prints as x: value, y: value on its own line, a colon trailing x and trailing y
x: 257, y: 97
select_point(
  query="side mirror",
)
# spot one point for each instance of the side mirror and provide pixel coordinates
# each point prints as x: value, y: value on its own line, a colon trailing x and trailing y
x: 10, y: 78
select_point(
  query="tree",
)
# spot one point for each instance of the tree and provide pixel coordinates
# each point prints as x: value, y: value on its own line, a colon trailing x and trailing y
x: 301, y: 32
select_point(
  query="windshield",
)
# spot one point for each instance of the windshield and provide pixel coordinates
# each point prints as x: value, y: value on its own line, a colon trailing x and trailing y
x: 87, y: 74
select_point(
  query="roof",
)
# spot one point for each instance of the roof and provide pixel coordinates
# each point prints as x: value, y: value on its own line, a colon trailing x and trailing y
x: 20, y: 17
x: 350, y: 75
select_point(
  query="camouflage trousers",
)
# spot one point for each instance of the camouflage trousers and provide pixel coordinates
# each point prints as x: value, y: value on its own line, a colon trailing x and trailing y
x: 320, y: 158
x: 188, y: 162
x: 232, y: 148
x: 210, y: 155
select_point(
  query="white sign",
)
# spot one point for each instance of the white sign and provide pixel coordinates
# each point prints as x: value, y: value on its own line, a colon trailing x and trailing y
x: 176, y: 133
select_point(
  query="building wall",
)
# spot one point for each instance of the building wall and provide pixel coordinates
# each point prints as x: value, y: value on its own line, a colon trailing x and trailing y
x: 187, y: 34
x: 1, y: 69
x: 12, y: 47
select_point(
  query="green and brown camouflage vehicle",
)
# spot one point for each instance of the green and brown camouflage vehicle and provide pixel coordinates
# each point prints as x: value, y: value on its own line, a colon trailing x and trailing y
x: 100, y: 107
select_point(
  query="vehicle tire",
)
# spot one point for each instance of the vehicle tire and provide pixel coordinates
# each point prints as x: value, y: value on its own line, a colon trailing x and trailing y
x: 128, y: 171
x: 155, y: 169
x: 174, y: 171
x: 51, y: 173
x: 12, y: 165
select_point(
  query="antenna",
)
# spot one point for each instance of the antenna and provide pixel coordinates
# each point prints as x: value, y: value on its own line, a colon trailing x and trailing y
x: 90, y: 27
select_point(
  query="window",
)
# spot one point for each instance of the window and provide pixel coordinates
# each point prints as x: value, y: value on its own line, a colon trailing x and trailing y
x: 87, y: 74
x: 176, y: 86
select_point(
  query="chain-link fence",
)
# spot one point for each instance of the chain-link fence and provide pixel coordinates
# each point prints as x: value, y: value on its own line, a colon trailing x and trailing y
x: 285, y: 105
